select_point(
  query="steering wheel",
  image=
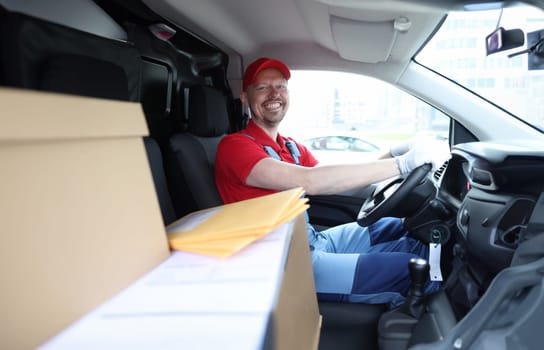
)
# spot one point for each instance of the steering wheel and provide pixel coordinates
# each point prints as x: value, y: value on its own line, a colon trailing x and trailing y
x: 386, y: 199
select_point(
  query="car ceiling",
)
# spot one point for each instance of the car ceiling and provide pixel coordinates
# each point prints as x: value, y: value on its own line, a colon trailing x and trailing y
x: 343, y: 35
x: 349, y: 35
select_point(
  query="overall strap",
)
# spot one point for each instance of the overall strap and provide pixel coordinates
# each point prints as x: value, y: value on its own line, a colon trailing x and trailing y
x: 293, y: 149
x: 291, y: 146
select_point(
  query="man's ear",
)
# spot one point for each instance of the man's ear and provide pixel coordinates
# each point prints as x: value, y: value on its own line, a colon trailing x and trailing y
x: 243, y: 99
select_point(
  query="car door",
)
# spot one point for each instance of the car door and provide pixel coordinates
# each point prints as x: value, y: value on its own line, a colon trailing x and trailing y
x: 332, y: 210
x: 335, y: 114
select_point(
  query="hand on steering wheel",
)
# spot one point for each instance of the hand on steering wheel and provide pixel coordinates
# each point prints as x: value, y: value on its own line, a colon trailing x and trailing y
x: 427, y: 150
x: 414, y: 164
x: 386, y: 200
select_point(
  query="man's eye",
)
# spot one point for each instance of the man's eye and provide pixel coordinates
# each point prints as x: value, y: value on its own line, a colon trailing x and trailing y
x: 262, y: 87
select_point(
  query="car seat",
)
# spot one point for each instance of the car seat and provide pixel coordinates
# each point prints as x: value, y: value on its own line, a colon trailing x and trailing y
x: 154, y: 155
x: 190, y: 156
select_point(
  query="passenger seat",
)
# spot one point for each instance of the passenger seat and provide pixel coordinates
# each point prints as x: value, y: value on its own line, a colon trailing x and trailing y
x: 154, y: 155
x: 191, y: 154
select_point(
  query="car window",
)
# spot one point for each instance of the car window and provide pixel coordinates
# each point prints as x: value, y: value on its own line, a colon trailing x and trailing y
x: 511, y: 79
x: 343, y: 117
x: 359, y: 145
x: 338, y: 144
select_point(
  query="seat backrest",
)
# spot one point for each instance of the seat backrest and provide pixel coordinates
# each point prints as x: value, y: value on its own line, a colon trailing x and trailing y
x: 191, y: 158
x: 154, y: 155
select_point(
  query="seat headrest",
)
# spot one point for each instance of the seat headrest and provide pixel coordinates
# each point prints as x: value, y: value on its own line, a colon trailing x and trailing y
x: 208, y: 114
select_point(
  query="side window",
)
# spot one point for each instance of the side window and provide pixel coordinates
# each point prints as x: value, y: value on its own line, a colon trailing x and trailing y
x: 337, y: 144
x: 359, y: 145
x: 345, y: 117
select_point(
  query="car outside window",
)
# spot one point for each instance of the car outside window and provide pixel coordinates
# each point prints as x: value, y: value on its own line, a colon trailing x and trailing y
x: 343, y: 117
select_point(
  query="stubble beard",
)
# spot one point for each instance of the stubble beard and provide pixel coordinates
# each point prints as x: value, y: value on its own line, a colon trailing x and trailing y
x: 275, y: 120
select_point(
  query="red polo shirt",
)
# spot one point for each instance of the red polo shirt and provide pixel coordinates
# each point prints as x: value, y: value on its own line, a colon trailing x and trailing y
x: 238, y: 153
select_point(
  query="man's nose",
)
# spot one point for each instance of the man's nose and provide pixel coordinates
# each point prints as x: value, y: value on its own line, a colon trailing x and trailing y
x: 274, y: 91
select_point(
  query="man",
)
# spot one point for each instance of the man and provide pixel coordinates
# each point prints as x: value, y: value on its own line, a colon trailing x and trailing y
x: 350, y: 263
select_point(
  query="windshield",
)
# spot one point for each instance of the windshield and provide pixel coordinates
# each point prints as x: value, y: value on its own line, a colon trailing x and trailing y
x: 512, y: 81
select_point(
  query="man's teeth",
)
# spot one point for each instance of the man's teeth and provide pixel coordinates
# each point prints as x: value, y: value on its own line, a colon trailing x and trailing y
x: 274, y: 105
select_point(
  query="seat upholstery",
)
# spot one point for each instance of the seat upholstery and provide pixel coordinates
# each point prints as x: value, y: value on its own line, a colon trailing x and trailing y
x: 154, y: 155
x: 348, y: 326
x: 191, y: 154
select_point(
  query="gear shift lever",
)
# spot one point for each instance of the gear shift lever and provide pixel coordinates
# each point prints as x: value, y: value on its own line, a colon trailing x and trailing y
x: 409, y: 324
x: 419, y: 270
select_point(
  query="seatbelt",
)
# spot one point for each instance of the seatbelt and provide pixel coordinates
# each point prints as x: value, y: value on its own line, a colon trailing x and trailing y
x: 291, y: 146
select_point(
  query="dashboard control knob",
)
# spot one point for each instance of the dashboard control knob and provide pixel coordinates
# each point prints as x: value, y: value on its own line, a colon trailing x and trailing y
x: 440, y: 208
x: 463, y: 218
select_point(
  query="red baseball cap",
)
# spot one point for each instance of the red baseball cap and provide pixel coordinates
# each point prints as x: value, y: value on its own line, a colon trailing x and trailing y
x: 263, y: 63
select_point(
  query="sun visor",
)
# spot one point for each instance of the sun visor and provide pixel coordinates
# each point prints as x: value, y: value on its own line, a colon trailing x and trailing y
x: 353, y: 38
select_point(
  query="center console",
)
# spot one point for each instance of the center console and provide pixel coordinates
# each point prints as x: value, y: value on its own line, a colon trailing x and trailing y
x: 421, y: 319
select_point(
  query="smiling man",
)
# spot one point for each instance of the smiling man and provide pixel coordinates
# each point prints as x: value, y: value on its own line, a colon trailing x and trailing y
x: 350, y: 262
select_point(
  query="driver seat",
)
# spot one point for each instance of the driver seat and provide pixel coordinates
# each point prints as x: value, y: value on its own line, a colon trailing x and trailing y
x: 349, y: 326
x: 345, y: 326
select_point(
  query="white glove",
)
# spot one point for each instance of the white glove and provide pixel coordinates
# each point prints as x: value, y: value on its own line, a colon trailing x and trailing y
x: 435, y: 152
x: 402, y: 147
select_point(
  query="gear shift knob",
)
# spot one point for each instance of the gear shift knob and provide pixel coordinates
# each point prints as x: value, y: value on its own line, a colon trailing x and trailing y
x: 419, y: 270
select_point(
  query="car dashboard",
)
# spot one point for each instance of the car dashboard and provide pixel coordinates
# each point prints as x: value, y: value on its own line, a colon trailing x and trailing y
x: 492, y: 189
x: 487, y: 204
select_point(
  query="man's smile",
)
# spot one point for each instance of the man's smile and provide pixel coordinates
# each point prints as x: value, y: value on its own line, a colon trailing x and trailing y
x: 272, y: 105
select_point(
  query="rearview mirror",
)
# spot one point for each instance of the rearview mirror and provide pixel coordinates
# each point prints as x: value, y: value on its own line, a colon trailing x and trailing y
x: 501, y: 40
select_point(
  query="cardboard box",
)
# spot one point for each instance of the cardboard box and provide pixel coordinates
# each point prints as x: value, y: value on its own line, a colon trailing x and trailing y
x: 81, y: 221
x: 80, y: 217
x: 262, y: 297
x: 296, y: 320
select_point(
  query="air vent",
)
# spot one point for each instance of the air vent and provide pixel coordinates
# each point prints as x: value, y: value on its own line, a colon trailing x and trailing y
x: 438, y: 173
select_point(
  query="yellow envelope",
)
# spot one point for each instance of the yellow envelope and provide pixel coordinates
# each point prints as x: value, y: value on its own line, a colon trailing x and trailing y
x: 224, y: 230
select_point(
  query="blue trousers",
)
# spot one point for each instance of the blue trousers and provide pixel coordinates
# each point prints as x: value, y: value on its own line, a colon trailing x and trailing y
x: 359, y: 264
